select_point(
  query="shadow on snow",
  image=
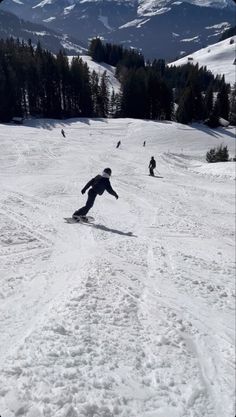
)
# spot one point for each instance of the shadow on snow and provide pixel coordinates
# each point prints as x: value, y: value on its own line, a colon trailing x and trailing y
x: 108, y: 229
x: 50, y: 124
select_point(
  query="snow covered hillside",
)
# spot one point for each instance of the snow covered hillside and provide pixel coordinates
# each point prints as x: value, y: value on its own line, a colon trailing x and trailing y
x: 133, y: 315
x: 113, y: 83
x: 218, y: 58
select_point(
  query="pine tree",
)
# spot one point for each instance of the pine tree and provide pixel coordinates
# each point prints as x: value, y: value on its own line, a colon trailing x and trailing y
x: 135, y: 95
x: 96, y: 50
x: 211, y: 155
x: 10, y: 94
x: 64, y: 82
x: 232, y: 114
x: 51, y: 86
x: 117, y: 104
x: 167, y: 105
x: 112, y: 105
x: 219, y: 154
x: 208, y: 101
x: 94, y: 82
x: 184, y: 112
x: 154, y: 94
x: 222, y: 101
x: 159, y: 66
x: 223, y: 153
x: 103, y: 97
x: 86, y: 104
x: 197, y: 106
x: 75, y: 87
x: 33, y: 88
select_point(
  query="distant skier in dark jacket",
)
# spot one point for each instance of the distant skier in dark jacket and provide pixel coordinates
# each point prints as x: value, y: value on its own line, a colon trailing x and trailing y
x: 118, y: 144
x: 144, y: 143
x: 63, y: 133
x: 152, y: 166
x: 98, y: 185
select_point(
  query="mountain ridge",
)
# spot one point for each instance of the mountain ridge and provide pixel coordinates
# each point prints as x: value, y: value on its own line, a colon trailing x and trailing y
x: 182, y: 26
x: 12, y: 26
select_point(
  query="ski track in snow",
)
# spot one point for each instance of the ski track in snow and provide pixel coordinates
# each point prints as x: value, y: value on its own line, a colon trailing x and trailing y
x: 131, y: 316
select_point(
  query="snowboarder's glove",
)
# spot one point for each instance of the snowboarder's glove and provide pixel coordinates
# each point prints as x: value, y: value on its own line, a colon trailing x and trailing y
x: 116, y: 196
x: 83, y: 191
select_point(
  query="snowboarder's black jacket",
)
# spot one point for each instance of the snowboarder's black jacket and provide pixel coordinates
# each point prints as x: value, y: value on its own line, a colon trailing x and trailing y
x: 99, y: 184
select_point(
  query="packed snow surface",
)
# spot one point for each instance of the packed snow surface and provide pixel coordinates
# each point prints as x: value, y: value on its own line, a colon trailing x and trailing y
x: 133, y: 315
x: 219, y: 58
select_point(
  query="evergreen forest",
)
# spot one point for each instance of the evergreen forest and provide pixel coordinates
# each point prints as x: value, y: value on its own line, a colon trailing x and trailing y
x: 34, y: 82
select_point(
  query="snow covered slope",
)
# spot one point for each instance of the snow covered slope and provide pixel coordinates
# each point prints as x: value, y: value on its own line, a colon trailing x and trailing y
x: 219, y: 58
x: 113, y: 83
x: 132, y: 316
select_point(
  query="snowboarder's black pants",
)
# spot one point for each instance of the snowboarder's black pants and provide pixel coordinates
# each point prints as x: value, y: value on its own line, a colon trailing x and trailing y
x: 151, y: 171
x: 89, y: 204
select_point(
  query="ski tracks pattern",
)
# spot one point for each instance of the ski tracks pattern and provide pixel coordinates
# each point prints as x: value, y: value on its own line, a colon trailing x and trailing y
x: 106, y: 322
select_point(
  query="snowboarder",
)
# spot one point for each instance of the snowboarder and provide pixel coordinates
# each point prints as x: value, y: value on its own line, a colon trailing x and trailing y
x: 144, y: 143
x: 63, y: 133
x: 98, y: 185
x: 118, y: 144
x: 152, y: 166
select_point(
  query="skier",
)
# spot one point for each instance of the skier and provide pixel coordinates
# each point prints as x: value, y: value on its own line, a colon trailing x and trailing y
x: 152, y: 166
x: 144, y: 143
x: 98, y: 185
x: 118, y: 144
x: 63, y: 133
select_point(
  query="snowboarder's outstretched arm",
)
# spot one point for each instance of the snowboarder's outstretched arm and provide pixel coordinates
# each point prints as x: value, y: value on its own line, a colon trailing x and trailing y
x: 111, y: 191
x: 89, y: 184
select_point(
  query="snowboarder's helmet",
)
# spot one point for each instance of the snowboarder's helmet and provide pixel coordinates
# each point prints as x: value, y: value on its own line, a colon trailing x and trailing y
x: 107, y: 171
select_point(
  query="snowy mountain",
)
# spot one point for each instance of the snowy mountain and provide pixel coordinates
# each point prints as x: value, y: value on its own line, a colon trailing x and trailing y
x: 164, y: 28
x: 219, y: 58
x: 11, y: 25
x: 132, y: 316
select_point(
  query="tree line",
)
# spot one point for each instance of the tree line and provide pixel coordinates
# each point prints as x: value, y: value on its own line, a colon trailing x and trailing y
x: 151, y: 90
x: 35, y: 82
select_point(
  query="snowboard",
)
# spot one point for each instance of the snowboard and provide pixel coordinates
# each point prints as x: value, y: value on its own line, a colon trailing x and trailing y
x: 84, y: 219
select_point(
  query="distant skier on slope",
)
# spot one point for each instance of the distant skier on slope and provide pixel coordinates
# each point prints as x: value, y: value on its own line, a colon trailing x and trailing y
x: 118, y: 144
x: 63, y: 133
x: 98, y: 185
x: 152, y: 166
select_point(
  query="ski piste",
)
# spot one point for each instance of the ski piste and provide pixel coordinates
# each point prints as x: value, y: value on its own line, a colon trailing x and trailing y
x: 94, y: 320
